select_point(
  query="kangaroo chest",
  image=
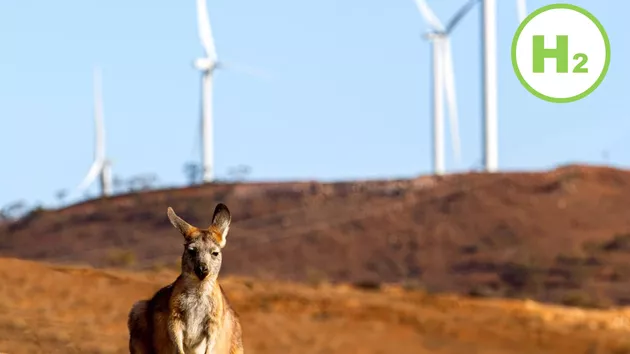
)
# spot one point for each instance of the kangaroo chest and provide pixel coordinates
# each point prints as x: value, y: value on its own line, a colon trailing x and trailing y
x: 200, y: 322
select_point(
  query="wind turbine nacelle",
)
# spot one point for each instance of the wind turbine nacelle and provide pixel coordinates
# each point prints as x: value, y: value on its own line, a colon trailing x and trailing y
x: 205, y: 64
x: 434, y: 35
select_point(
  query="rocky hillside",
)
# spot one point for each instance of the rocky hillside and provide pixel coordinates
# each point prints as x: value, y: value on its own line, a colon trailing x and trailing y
x: 559, y: 236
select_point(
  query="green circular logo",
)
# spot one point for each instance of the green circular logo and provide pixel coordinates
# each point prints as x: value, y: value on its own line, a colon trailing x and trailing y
x: 560, y: 53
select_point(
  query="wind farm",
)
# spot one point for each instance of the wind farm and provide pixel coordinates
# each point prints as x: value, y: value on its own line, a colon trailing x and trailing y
x: 393, y: 189
x: 443, y: 77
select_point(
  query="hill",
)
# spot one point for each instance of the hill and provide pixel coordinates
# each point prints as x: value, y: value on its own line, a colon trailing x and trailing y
x: 56, y: 309
x: 555, y: 236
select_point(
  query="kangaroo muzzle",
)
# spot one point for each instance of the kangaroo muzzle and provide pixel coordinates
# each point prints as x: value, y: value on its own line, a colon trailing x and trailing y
x: 201, y: 272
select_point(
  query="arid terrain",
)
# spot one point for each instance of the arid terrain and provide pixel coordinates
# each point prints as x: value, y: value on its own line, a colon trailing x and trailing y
x: 54, y: 309
x: 425, y: 265
x: 560, y: 236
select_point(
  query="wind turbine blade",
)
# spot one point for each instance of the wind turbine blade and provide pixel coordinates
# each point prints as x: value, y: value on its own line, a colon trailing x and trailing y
x: 95, y: 169
x: 521, y: 7
x: 460, y: 15
x: 429, y: 16
x: 245, y: 69
x: 99, y: 126
x: 438, y: 106
x: 205, y: 31
x: 99, y: 149
x: 451, y: 98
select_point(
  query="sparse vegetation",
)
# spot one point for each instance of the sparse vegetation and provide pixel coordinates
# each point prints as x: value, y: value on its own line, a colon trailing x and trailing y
x: 619, y: 242
x: 84, y: 311
x: 522, y: 279
x: 121, y: 258
x: 413, y: 285
x: 158, y: 266
x: 371, y: 285
x: 580, y: 298
x: 482, y: 290
x: 316, y: 277
x: 456, y: 233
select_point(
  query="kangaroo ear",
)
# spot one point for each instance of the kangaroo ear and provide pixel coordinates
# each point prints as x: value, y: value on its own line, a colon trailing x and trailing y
x: 221, y: 222
x: 185, y: 228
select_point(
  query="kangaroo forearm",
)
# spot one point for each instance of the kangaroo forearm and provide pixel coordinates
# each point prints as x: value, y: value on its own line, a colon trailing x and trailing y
x: 177, y: 336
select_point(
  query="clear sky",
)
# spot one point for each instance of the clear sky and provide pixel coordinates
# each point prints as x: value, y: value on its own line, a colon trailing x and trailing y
x: 349, y: 95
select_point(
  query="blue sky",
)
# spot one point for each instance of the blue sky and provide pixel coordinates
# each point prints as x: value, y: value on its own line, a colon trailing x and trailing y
x: 349, y: 96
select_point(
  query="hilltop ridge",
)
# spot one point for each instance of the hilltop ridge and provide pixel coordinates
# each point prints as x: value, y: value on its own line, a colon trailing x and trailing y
x: 560, y: 236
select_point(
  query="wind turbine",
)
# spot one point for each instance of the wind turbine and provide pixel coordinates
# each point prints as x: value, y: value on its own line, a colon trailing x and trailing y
x: 489, y: 69
x: 101, y: 167
x: 443, y: 74
x: 443, y: 81
x: 207, y: 65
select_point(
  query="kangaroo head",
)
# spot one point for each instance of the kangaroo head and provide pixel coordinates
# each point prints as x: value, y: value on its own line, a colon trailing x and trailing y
x: 202, y: 248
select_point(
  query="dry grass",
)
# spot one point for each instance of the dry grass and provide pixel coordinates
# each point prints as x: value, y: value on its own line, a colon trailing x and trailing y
x: 52, y: 309
x: 554, y: 236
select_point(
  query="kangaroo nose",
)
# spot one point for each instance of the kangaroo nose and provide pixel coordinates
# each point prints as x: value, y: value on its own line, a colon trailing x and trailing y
x: 202, y: 271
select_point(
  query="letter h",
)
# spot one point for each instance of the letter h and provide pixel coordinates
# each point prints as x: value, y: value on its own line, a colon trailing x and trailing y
x: 560, y: 53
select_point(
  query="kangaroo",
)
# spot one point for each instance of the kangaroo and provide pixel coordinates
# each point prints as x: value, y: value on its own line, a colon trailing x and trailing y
x: 192, y: 314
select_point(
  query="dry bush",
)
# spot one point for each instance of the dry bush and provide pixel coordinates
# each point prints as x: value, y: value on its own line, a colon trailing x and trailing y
x: 619, y: 242
x: 121, y: 257
x: 413, y: 285
x: 372, y: 285
x: 580, y: 298
x: 482, y: 290
x: 316, y: 277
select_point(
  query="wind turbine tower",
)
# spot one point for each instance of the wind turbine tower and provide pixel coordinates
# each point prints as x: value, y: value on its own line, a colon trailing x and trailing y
x: 489, y: 78
x: 101, y: 167
x: 443, y: 81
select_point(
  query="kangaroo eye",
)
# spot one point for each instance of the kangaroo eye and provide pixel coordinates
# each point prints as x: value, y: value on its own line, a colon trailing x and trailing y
x: 215, y: 253
x: 191, y: 250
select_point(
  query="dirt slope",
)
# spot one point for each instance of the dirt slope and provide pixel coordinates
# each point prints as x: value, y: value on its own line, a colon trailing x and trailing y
x: 561, y: 235
x: 53, y: 309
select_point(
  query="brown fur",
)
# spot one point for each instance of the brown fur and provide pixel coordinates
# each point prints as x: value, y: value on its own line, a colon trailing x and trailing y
x: 193, y: 311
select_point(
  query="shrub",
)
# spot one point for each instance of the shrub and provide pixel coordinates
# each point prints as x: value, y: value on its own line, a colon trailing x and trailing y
x: 413, y: 285
x: 481, y: 290
x: 620, y: 242
x: 121, y: 258
x: 371, y: 285
x: 583, y: 299
x: 316, y: 277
